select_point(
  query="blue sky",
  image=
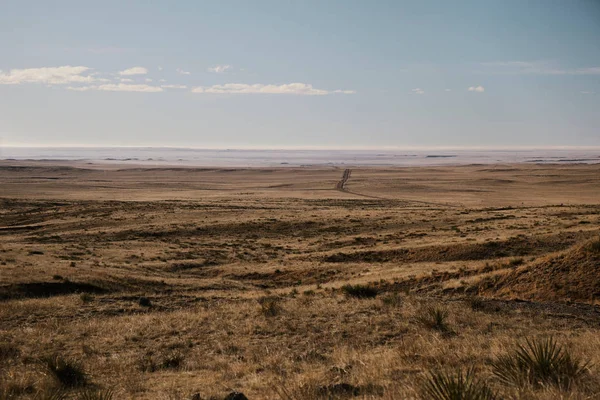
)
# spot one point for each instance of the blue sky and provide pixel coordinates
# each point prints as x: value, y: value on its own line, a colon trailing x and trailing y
x: 338, y: 74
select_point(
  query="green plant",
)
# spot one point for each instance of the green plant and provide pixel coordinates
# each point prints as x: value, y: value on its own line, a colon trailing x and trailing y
x: 539, y: 362
x: 459, y: 386
x: 434, y: 317
x: 360, y: 291
x: 67, y: 373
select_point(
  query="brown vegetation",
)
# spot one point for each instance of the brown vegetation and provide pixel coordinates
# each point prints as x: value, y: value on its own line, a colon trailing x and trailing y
x: 200, y: 284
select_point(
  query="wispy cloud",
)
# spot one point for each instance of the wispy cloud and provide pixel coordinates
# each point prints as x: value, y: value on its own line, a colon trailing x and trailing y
x: 477, y: 89
x: 418, y: 91
x: 48, y: 75
x: 182, y: 72
x: 134, y: 71
x: 174, y: 86
x: 219, y: 69
x: 535, y: 67
x: 303, y: 89
x: 118, y: 87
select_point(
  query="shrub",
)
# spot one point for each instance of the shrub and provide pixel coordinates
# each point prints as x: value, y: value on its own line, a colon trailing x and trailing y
x: 539, y: 362
x: 145, y: 302
x: 67, y: 373
x: 269, y: 306
x: 392, y: 300
x: 460, y: 386
x: 594, y: 246
x: 434, y: 317
x: 163, y: 359
x: 360, y: 291
x: 86, y: 297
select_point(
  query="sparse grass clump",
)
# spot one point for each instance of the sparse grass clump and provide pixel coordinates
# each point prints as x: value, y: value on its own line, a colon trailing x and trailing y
x: 360, y: 291
x: 540, y: 362
x: 270, y: 306
x: 86, y: 297
x: 67, y: 373
x: 459, y: 386
x: 434, y: 317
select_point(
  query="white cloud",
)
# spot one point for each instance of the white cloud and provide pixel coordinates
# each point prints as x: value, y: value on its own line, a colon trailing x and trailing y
x: 118, y: 87
x: 160, y: 68
x: 418, y: 91
x: 126, y: 80
x: 478, y: 89
x: 258, y: 88
x: 219, y: 69
x: 448, y: 90
x: 182, y: 72
x: 174, y: 86
x: 134, y: 71
x: 47, y: 75
x: 345, y: 91
x: 148, y: 80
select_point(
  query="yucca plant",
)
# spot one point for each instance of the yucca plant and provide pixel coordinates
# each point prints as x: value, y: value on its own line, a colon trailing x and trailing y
x: 50, y: 394
x: 96, y: 395
x: 463, y: 385
x: 540, y: 362
x: 434, y: 318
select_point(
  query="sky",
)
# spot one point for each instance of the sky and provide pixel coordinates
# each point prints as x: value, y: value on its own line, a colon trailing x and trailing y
x: 300, y: 74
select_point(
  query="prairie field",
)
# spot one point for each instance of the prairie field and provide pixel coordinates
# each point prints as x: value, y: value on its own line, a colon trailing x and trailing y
x: 297, y: 283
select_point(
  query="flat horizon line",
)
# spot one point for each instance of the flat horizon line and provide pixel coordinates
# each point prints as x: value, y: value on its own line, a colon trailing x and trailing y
x: 308, y: 148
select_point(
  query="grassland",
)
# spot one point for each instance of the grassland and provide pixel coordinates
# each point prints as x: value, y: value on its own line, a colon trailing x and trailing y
x: 293, y: 283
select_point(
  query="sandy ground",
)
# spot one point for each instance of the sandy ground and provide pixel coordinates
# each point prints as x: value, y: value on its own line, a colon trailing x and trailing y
x: 81, y: 244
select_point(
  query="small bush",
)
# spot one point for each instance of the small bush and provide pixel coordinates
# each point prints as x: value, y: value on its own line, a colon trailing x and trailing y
x: 594, y: 246
x: 539, y: 362
x: 392, y: 300
x: 460, y: 386
x: 67, y: 373
x: 145, y: 302
x: 360, y: 291
x: 86, y: 297
x: 434, y: 317
x: 152, y: 362
x: 476, y: 303
x: 269, y: 306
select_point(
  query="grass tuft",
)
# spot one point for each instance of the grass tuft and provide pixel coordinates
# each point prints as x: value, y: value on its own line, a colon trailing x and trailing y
x: 269, y: 306
x: 459, y: 386
x: 360, y: 291
x: 540, y: 362
x: 67, y: 373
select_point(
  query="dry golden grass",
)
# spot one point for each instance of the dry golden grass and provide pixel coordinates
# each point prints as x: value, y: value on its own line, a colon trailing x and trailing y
x: 243, y: 273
